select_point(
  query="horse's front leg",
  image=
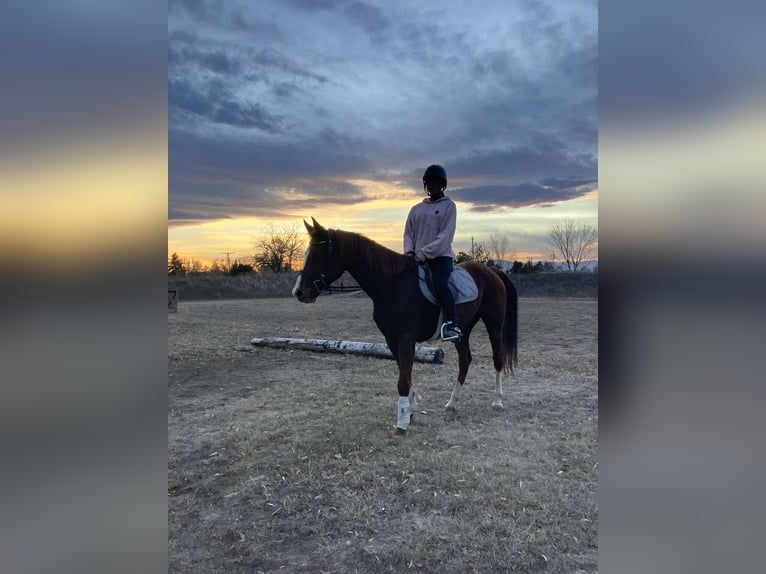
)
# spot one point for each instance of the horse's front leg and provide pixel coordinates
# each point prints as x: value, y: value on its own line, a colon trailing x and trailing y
x: 464, y: 361
x: 405, y: 356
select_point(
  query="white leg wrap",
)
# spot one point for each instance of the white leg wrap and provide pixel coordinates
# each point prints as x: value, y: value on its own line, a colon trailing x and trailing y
x: 403, y: 416
x: 413, y: 400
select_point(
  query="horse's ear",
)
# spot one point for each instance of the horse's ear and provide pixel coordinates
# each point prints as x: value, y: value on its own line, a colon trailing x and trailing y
x: 308, y: 227
x: 317, y: 226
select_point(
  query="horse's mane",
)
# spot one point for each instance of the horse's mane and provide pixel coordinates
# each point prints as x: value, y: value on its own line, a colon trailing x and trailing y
x: 365, y: 242
x: 380, y: 260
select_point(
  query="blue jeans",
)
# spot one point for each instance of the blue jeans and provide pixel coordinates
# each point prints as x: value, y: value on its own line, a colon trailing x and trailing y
x: 441, y: 268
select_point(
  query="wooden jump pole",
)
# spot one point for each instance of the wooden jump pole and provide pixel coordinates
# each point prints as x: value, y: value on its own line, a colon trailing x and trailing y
x: 422, y: 354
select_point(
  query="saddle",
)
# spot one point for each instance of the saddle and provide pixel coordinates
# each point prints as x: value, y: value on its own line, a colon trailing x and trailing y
x: 461, y: 285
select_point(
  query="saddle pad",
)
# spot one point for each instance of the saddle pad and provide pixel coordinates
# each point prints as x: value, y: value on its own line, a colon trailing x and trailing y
x: 460, y: 282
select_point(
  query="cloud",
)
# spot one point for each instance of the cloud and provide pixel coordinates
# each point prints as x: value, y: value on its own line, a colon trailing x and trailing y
x: 225, y: 176
x: 542, y: 157
x: 569, y: 183
x: 216, y: 104
x: 317, y: 94
x: 216, y: 60
x: 371, y: 19
x: 494, y: 197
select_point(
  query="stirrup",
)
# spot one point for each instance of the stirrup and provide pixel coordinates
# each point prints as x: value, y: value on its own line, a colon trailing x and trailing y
x: 453, y: 332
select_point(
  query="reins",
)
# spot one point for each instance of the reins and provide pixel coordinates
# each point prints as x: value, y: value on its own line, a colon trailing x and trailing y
x: 321, y: 283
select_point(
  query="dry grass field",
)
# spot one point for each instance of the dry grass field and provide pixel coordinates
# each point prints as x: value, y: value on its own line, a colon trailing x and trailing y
x: 283, y: 460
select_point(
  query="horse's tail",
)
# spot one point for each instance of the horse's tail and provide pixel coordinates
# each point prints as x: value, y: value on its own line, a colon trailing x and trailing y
x: 510, y: 324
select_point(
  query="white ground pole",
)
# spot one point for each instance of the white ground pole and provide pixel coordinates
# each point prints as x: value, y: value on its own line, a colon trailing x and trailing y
x: 432, y: 355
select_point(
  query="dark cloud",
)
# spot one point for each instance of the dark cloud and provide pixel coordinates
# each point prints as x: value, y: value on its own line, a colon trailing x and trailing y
x: 519, y: 164
x: 183, y: 95
x: 321, y: 156
x: 217, y: 105
x: 201, y: 199
x: 371, y: 19
x: 285, y: 90
x: 216, y: 61
x: 492, y: 197
x: 226, y: 176
x: 201, y: 10
x: 247, y: 116
x: 190, y: 53
x: 271, y: 59
x: 316, y: 5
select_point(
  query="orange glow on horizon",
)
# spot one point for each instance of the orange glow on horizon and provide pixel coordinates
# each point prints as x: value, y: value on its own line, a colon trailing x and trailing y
x: 380, y: 218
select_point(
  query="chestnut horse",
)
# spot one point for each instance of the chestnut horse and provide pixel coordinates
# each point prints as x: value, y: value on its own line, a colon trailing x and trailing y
x: 403, y: 314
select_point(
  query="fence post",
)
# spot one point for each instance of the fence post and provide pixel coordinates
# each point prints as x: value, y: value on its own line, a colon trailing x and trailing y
x: 173, y: 300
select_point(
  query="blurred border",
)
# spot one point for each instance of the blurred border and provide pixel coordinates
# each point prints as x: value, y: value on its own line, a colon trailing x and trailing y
x: 83, y: 181
x: 83, y: 237
x: 682, y: 126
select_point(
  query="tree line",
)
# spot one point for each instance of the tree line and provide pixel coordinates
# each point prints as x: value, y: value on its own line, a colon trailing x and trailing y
x: 281, y: 248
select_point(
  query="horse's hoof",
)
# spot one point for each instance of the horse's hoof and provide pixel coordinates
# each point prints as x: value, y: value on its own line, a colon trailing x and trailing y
x: 399, y: 432
x: 498, y: 407
x: 450, y: 408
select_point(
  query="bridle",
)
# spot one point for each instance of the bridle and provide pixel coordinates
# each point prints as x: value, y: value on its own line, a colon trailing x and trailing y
x: 321, y: 283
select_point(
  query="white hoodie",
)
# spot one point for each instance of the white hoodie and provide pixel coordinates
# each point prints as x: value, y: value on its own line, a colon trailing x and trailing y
x: 430, y: 228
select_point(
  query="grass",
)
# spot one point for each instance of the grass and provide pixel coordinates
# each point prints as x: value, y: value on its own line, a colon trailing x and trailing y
x: 282, y: 461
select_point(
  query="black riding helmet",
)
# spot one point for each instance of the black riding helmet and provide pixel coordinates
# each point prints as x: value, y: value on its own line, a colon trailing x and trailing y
x: 435, y: 172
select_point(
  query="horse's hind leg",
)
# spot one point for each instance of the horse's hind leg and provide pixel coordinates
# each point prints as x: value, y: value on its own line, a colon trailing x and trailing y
x: 496, y: 340
x: 464, y: 361
x: 498, y: 402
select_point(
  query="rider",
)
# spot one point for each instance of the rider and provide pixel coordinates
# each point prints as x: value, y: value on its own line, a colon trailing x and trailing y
x: 428, y: 236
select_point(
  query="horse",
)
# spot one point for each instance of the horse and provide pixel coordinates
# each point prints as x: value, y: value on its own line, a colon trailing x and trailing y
x: 401, y: 312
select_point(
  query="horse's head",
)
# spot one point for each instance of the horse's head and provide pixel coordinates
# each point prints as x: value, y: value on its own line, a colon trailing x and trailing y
x: 322, y: 265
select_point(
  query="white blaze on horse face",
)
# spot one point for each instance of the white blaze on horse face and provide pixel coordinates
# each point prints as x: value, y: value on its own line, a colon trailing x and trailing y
x: 298, y: 280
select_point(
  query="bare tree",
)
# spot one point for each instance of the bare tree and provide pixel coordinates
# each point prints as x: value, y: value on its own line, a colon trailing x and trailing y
x: 196, y: 267
x: 499, y: 243
x: 217, y: 267
x: 478, y: 253
x: 279, y: 249
x: 574, y: 241
x: 552, y: 255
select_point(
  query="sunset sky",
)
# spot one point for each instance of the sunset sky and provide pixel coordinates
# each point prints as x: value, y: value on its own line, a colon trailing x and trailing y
x: 283, y: 110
